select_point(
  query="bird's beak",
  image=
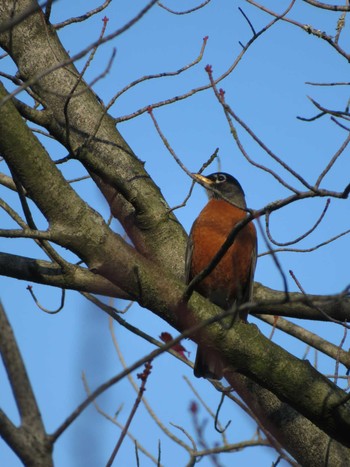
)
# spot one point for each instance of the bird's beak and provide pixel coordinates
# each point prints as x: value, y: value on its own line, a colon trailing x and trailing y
x: 202, y: 179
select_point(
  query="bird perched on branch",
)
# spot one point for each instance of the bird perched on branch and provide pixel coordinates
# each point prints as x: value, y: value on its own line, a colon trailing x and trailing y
x: 230, y: 283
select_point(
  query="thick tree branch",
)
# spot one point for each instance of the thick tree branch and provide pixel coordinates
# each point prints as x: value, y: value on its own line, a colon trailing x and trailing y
x: 81, y: 279
x: 290, y: 428
x: 47, y: 273
x: 64, y: 210
x: 298, y: 306
x: 145, y: 216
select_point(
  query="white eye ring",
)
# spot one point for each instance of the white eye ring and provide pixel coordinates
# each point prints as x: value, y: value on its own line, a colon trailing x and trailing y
x: 221, y: 178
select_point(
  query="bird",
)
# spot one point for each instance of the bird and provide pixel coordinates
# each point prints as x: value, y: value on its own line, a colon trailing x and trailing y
x: 230, y: 283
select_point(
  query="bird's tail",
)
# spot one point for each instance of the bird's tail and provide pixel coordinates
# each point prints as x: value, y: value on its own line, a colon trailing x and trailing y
x: 208, y: 365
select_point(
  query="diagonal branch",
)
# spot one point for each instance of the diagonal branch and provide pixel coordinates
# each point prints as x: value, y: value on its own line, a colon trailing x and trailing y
x: 310, y: 338
x: 30, y: 440
x: 290, y: 428
x: 22, y: 389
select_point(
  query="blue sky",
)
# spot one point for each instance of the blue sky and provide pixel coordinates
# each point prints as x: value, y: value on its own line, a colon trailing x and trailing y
x: 267, y: 90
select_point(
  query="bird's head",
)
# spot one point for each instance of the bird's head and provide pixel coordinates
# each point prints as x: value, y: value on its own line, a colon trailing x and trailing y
x: 222, y: 185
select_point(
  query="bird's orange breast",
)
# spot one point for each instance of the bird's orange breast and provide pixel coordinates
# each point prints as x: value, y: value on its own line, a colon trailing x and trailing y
x: 226, y: 283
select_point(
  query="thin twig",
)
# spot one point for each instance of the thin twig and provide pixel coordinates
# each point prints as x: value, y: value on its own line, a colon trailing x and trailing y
x: 157, y: 76
x: 305, y: 27
x: 46, y: 310
x: 71, y: 93
x: 217, y: 428
x: 194, y: 91
x: 79, y: 19
x: 185, y: 12
x: 311, y: 119
x: 204, y: 166
x: 26, y: 233
x: 148, y: 407
x: 220, y: 95
x: 327, y: 6
x: 275, y: 260
x: 341, y: 125
x: 207, y: 408
x: 332, y: 161
x: 80, y: 54
x: 151, y: 356
x: 309, y: 302
x: 115, y: 314
x: 335, y: 113
x: 117, y: 423
x: 310, y: 338
x: 341, y: 83
x: 301, y: 237
x: 304, y: 250
x: 339, y: 355
x: 248, y: 21
x: 143, y: 376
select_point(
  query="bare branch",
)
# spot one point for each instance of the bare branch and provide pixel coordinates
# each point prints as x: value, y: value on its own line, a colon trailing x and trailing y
x: 248, y: 21
x: 30, y: 441
x: 327, y: 6
x: 157, y: 76
x: 79, y: 55
x: 305, y: 27
x: 305, y: 250
x: 336, y: 113
x: 301, y: 237
x: 48, y: 273
x: 143, y: 376
x: 79, y: 19
x: 332, y: 161
x: 206, y: 86
x: 147, y: 405
x: 42, y: 308
x: 25, y: 399
x: 220, y: 94
x: 337, y: 306
x: 115, y: 421
x: 343, y: 83
x: 26, y: 233
x: 8, y: 182
x: 340, y: 351
x: 103, y: 387
x: 185, y: 12
x: 317, y: 308
x: 309, y: 338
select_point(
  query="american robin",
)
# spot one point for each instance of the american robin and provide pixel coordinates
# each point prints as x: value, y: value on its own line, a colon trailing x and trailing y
x: 230, y: 283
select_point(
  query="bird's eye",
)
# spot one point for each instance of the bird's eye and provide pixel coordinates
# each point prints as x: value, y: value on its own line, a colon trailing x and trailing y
x: 221, y: 178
